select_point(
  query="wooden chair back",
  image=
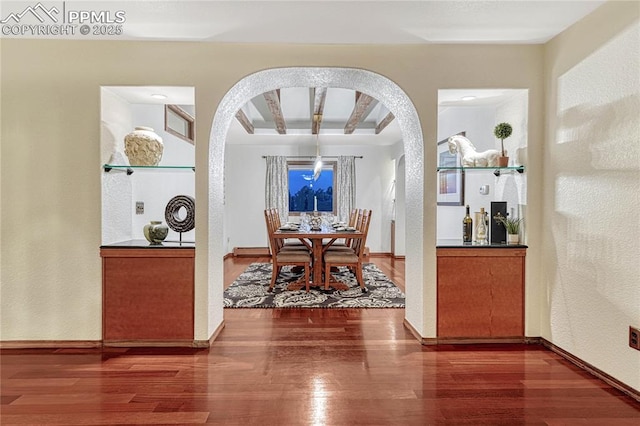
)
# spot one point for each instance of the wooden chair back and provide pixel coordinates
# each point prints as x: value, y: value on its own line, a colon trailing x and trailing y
x: 363, y: 226
x: 354, y: 218
x: 272, y: 221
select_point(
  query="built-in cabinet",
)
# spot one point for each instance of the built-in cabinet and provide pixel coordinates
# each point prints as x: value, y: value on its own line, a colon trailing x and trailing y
x: 148, y: 294
x: 480, y: 287
x: 148, y: 290
x: 480, y: 293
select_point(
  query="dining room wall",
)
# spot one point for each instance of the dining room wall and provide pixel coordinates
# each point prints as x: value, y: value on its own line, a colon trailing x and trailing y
x: 245, y: 170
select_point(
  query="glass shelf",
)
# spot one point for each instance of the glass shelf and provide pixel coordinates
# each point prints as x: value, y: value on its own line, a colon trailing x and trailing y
x: 496, y: 170
x: 130, y: 169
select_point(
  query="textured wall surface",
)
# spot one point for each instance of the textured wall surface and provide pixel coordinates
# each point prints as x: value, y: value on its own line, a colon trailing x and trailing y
x: 591, y: 204
x: 117, y: 212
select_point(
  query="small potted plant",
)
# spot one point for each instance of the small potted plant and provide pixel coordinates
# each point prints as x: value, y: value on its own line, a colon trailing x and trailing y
x: 512, y: 225
x: 503, y: 131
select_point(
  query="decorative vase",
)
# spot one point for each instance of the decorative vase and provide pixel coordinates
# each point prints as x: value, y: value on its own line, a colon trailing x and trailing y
x: 503, y: 161
x: 143, y: 147
x: 155, y: 232
x: 513, y: 239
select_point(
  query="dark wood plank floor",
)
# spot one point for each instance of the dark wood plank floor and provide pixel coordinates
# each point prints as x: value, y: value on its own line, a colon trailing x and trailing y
x: 308, y: 367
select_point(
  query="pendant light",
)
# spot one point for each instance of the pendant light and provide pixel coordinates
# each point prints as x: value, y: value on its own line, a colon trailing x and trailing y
x: 317, y: 166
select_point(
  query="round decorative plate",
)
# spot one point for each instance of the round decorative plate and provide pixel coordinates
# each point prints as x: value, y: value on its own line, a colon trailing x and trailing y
x: 172, y: 213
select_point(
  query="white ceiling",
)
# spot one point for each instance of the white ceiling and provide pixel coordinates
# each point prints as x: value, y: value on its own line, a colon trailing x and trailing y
x: 340, y: 22
x: 175, y: 95
x: 349, y: 22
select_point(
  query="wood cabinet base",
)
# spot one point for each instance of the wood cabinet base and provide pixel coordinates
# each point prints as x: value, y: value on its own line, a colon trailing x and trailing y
x: 147, y: 296
x: 480, y: 293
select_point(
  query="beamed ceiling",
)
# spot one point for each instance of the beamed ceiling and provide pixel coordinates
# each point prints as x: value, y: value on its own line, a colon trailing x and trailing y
x: 303, y: 110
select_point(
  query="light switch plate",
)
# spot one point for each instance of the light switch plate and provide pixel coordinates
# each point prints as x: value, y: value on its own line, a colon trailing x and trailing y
x: 484, y: 190
x: 139, y: 207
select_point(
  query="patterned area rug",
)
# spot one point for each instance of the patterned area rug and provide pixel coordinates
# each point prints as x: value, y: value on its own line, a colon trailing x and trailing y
x: 250, y: 290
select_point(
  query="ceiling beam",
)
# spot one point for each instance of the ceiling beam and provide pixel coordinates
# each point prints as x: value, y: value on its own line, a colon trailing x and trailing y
x: 320, y: 94
x: 244, y: 120
x: 363, y: 102
x: 384, y: 122
x: 273, y: 102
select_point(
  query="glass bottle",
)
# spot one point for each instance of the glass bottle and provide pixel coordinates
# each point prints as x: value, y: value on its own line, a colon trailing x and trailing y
x: 481, y: 229
x: 467, y: 227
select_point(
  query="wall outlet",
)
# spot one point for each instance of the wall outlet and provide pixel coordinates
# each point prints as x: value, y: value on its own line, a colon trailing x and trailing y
x: 634, y: 337
x: 139, y: 207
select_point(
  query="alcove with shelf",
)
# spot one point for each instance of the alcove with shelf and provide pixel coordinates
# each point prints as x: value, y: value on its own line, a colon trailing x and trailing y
x: 148, y: 289
x: 480, y: 287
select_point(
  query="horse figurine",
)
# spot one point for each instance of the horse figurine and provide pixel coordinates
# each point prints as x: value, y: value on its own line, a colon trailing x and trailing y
x: 471, y: 158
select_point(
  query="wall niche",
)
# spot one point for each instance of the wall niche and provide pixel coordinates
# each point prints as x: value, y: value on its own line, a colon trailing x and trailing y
x: 476, y: 112
x: 134, y: 196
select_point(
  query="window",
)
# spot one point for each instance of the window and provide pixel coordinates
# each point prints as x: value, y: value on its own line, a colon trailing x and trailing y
x: 305, y: 194
x: 179, y: 122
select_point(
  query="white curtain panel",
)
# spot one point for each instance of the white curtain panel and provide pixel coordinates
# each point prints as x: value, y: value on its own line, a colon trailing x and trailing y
x: 277, y: 187
x: 346, y: 182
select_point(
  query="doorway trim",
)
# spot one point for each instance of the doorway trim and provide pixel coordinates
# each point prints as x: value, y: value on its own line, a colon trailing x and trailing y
x: 376, y: 85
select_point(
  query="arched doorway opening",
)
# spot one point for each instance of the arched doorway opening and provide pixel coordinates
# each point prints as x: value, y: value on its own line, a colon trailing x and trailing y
x: 378, y: 86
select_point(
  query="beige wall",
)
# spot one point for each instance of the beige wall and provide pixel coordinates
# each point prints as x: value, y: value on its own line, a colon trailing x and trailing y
x: 51, y: 168
x: 591, y: 200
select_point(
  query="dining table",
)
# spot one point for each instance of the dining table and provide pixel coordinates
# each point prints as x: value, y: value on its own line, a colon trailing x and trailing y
x: 318, y: 241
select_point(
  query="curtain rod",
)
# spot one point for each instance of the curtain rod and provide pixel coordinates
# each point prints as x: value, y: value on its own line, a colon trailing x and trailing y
x: 313, y: 156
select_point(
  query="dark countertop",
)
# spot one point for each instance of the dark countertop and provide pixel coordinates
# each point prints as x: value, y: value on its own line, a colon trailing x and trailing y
x: 459, y: 244
x: 145, y: 244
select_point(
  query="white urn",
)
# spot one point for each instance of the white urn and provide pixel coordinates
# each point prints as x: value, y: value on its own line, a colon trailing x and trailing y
x: 143, y: 147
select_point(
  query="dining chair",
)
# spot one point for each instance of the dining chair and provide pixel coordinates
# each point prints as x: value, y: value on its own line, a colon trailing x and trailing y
x: 355, y: 217
x: 275, y: 225
x: 283, y: 257
x: 351, y: 259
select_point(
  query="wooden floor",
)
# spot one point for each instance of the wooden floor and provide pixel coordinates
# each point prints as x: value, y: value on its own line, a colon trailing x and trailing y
x: 308, y: 367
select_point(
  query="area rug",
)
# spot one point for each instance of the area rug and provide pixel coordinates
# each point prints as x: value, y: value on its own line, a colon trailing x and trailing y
x: 250, y: 290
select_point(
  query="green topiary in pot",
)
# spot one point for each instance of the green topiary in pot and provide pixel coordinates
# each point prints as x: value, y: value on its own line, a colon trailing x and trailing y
x: 512, y: 225
x: 502, y: 131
